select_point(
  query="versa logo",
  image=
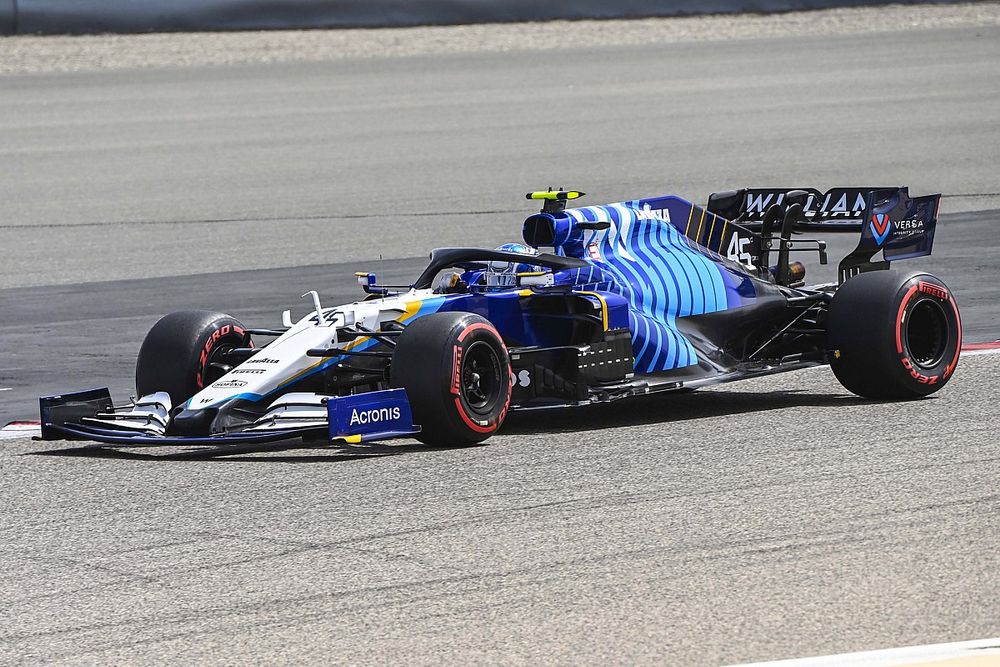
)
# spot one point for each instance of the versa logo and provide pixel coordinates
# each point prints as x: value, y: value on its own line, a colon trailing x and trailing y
x: 880, y: 226
x: 371, y: 416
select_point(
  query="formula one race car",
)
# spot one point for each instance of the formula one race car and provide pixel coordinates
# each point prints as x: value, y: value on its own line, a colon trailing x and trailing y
x: 641, y: 296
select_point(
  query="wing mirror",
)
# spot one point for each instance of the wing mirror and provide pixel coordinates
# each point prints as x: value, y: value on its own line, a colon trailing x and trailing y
x: 369, y: 283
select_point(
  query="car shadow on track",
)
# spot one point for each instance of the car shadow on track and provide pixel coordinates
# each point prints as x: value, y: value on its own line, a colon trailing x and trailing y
x: 325, y: 453
x: 639, y: 411
x: 669, y: 407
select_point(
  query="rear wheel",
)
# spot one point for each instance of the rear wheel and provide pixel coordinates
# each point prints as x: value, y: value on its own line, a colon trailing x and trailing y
x: 182, y: 353
x: 456, y: 373
x: 894, y: 336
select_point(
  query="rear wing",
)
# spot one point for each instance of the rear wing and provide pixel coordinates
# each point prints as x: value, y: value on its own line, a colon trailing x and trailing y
x: 837, y: 209
x: 890, y: 221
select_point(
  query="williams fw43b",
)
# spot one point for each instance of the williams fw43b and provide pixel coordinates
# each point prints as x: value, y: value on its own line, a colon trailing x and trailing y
x: 595, y: 304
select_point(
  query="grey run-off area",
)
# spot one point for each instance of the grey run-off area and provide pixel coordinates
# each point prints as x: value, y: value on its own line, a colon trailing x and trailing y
x: 111, y: 16
x: 770, y: 519
x: 129, y: 174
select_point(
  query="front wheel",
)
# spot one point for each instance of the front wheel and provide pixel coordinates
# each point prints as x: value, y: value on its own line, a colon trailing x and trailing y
x: 894, y: 336
x: 182, y: 353
x: 456, y: 373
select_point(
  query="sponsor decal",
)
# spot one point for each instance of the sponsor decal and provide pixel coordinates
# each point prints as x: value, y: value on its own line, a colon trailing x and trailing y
x: 911, y: 224
x: 935, y: 291
x: 906, y: 228
x: 524, y: 378
x: 366, y: 414
x: 456, y: 371
x: 843, y: 205
x: 254, y: 371
x: 255, y: 360
x: 228, y: 384
x: 648, y: 213
x: 834, y: 204
x: 373, y: 415
x: 919, y: 377
x: 209, y: 344
x: 759, y: 203
x: 880, y: 226
x: 594, y: 251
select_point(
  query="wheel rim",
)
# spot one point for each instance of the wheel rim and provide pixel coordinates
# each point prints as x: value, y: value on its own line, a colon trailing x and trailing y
x: 215, y: 367
x: 481, y: 380
x: 926, y: 333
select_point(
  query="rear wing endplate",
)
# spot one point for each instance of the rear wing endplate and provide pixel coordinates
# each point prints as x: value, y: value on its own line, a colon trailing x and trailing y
x: 900, y: 226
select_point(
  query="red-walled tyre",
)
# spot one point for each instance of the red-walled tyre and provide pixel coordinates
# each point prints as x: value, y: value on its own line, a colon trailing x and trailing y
x: 893, y: 335
x: 181, y: 353
x: 456, y: 373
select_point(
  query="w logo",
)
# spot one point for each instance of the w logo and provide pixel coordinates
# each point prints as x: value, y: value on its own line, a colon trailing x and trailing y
x: 880, y: 226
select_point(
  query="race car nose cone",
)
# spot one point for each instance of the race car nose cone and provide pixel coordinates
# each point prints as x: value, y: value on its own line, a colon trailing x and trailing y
x: 194, y: 422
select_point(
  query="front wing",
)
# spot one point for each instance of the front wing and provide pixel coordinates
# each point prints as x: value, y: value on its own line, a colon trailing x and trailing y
x: 91, y: 415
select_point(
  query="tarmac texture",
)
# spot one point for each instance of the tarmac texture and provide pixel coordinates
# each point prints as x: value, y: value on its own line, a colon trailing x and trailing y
x: 167, y: 172
x: 769, y: 519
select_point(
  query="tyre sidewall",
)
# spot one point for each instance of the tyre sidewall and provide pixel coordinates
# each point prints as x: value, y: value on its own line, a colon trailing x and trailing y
x: 868, y: 325
x: 431, y: 353
x: 176, y: 352
x: 464, y: 417
x: 924, y: 379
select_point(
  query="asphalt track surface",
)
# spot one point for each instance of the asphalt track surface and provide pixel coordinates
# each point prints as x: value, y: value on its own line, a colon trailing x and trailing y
x: 133, y: 174
x: 769, y: 519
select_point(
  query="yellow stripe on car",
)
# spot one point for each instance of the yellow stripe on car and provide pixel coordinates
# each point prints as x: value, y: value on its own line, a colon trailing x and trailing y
x: 711, y: 229
x: 604, y: 307
x: 411, y: 309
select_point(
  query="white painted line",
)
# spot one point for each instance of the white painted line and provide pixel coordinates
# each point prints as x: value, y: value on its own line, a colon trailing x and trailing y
x: 976, y: 353
x: 16, y: 430
x: 6, y: 388
x: 19, y: 435
x: 977, y: 653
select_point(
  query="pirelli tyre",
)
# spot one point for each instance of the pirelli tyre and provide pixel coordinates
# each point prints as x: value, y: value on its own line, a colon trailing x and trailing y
x: 894, y: 335
x: 456, y: 373
x: 183, y: 352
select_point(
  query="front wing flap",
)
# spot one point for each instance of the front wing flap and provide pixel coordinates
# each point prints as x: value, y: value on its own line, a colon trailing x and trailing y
x: 378, y: 415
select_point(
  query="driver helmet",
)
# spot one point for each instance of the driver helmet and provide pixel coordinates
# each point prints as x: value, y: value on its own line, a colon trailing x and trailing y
x: 504, y: 274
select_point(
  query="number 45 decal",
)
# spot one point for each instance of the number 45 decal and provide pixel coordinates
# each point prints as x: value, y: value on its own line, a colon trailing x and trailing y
x: 737, y: 250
